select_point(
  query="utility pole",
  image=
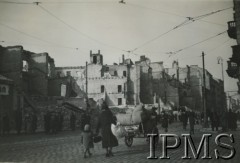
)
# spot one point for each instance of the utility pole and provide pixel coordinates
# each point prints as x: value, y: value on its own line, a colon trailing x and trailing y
x: 204, y: 93
x: 86, y: 71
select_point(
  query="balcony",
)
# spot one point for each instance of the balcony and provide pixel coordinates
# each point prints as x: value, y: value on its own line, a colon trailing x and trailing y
x: 232, y: 32
x: 233, y: 69
x: 236, y: 54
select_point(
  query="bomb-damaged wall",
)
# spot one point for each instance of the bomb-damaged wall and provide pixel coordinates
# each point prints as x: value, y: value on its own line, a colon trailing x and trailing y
x: 11, y: 64
x: 29, y: 71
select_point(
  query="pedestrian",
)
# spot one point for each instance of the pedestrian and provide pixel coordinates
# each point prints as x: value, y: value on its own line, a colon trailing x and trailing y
x: 234, y: 121
x: 87, y: 140
x: 47, y: 122
x: 231, y: 120
x: 6, y: 124
x: 27, y: 121
x: 33, y: 123
x: 61, y: 119
x: 154, y: 116
x: 72, y: 121
x: 184, y: 119
x: 191, y: 121
x: 224, y: 121
x: 85, y: 119
x: 202, y: 117
x: 215, y: 122
x: 165, y: 121
x: 18, y: 120
x: 106, y: 118
x: 54, y: 123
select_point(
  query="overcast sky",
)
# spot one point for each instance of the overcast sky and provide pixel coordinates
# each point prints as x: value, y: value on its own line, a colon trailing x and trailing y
x: 115, y: 28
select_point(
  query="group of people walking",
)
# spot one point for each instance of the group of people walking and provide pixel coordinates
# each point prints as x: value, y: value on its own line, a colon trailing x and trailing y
x: 228, y: 120
x: 106, y: 118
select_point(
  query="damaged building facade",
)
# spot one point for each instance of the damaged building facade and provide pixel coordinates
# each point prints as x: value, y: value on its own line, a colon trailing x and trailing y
x: 117, y: 84
x: 192, y: 95
x: 27, y: 73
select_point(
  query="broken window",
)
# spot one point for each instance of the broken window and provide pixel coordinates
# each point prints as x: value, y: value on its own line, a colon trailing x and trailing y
x: 119, y: 101
x: 25, y: 66
x: 68, y: 73
x: 59, y: 74
x: 95, y: 59
x: 119, y: 88
x: 102, y: 88
x: 124, y: 73
x: 115, y: 73
x: 3, y: 89
x: 49, y: 70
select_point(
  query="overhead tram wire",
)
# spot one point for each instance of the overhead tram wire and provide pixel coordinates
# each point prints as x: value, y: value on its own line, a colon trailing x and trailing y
x: 186, y: 22
x: 172, y: 13
x: 75, y: 2
x: 18, y: 3
x: 187, y: 47
x: 34, y: 37
x: 56, y: 2
x: 75, y: 29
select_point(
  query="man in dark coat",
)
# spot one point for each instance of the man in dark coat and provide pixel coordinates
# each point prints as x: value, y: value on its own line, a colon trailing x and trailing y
x: 214, y: 120
x: 47, y: 122
x: 34, y: 123
x: 191, y: 122
x: 154, y: 116
x: 230, y: 120
x: 184, y: 119
x: 61, y: 119
x: 6, y: 124
x: 165, y: 121
x: 224, y: 120
x: 18, y: 120
x: 105, y: 120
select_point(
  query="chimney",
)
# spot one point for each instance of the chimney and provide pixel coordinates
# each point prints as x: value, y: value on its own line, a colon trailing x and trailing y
x: 142, y: 57
x: 123, y: 59
x: 90, y: 52
x: 98, y: 51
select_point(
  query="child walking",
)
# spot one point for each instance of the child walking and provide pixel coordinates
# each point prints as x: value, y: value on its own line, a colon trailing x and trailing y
x: 87, y: 140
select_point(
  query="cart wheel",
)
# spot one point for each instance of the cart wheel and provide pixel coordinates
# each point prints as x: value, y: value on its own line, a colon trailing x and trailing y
x: 129, y: 141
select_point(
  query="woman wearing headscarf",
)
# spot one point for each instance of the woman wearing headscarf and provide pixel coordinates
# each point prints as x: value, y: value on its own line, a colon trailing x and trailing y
x: 106, y: 118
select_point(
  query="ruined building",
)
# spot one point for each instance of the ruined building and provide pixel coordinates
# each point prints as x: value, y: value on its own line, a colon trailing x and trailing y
x: 191, y: 94
x: 24, y: 74
x: 118, y: 84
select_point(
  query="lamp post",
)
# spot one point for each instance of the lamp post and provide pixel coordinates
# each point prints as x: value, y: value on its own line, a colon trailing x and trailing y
x: 220, y: 61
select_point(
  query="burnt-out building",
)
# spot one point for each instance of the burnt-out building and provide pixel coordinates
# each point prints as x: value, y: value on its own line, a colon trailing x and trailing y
x: 118, y: 84
x: 144, y: 71
x: 29, y: 73
x: 192, y: 93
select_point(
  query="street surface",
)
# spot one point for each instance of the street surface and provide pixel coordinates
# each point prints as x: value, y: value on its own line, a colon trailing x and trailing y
x: 66, y: 147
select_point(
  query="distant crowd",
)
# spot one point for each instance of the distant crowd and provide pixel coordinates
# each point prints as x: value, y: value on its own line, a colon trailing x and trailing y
x: 54, y: 122
x: 51, y: 122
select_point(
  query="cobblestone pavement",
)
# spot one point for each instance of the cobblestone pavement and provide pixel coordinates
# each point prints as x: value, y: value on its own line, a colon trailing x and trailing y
x: 65, y: 147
